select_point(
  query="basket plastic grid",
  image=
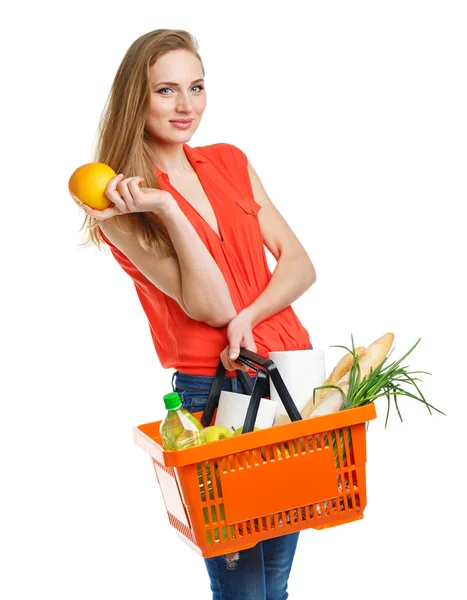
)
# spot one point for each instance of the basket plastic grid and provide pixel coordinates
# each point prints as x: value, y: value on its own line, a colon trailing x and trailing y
x: 263, y: 484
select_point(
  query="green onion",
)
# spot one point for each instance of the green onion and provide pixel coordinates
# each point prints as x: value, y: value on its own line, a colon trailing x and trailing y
x: 385, y: 380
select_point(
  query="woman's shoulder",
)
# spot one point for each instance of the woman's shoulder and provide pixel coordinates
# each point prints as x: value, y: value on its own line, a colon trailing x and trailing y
x: 218, y: 149
x: 224, y: 152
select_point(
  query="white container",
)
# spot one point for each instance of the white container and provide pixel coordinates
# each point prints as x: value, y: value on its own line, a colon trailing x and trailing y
x: 233, y: 407
x: 302, y: 371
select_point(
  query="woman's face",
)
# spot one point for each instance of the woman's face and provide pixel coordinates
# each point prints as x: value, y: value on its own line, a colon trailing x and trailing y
x: 177, y: 92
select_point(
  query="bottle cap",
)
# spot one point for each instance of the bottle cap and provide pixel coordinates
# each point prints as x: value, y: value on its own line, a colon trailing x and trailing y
x: 172, y: 400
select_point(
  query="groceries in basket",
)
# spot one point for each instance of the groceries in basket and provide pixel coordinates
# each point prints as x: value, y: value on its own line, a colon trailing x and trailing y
x: 180, y: 428
x: 360, y: 377
x: 226, y: 493
x: 301, y: 371
x: 233, y: 407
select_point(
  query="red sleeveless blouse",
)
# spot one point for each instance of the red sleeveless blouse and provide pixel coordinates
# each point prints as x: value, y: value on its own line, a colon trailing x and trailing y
x: 190, y: 346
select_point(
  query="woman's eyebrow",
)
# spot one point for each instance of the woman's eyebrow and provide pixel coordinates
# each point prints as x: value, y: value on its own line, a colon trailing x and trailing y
x: 176, y: 84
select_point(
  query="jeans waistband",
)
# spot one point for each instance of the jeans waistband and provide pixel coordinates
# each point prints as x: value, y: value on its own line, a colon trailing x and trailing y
x: 204, y: 382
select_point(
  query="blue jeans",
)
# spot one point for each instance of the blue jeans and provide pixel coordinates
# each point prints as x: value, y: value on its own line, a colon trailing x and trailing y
x: 258, y: 573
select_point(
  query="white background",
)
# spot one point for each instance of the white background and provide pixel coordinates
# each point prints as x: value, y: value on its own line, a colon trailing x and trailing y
x: 354, y: 117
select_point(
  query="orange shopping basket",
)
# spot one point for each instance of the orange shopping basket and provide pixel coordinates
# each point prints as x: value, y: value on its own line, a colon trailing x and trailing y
x: 229, y: 495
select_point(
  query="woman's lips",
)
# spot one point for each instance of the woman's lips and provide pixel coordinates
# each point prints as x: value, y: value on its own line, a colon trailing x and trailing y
x: 182, y: 124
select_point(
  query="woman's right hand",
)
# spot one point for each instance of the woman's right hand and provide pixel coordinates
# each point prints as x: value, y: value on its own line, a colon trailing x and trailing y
x: 128, y: 197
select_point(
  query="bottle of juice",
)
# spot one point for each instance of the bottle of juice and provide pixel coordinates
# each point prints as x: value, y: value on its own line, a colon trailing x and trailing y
x: 180, y: 429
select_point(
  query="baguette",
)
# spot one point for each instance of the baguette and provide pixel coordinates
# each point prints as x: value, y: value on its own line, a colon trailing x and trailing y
x: 333, y: 401
x: 372, y: 357
x: 340, y: 371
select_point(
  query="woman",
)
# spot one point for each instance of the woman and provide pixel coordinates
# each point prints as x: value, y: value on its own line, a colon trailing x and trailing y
x: 193, y: 241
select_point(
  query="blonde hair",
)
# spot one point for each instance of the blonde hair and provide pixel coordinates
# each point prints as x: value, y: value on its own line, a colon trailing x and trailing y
x: 122, y: 140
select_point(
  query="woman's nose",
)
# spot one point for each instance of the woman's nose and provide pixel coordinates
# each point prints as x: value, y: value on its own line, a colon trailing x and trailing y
x: 184, y: 103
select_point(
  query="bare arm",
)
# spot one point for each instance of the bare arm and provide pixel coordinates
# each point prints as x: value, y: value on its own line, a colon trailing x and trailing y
x: 192, y: 277
x: 204, y: 289
x: 294, y: 273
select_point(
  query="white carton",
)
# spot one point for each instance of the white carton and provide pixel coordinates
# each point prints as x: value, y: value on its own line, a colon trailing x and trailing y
x: 233, y: 407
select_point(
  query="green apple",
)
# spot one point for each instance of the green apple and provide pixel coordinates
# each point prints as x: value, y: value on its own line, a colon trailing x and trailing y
x: 279, y: 451
x: 214, y: 433
x: 239, y: 431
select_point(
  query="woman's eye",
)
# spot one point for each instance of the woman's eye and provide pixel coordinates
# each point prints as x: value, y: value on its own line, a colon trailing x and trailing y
x: 164, y: 89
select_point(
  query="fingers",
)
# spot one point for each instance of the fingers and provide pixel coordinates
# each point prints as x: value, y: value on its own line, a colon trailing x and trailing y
x: 228, y: 365
x: 101, y: 215
x: 114, y: 194
x: 248, y: 344
x: 123, y: 192
x: 239, y: 366
x: 231, y: 365
x: 235, y: 351
x: 128, y: 189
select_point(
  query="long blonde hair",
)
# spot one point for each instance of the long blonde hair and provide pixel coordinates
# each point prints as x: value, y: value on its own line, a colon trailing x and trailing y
x: 122, y: 140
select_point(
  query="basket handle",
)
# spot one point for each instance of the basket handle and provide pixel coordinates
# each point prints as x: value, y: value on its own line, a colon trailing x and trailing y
x: 266, y: 369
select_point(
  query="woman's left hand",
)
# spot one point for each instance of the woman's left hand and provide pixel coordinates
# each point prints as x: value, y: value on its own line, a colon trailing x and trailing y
x: 240, y: 335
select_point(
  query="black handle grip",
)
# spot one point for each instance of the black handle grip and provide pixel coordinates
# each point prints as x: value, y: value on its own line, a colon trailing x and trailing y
x: 264, y: 368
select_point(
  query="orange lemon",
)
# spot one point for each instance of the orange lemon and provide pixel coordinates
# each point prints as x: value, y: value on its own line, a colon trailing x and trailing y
x: 87, y: 185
